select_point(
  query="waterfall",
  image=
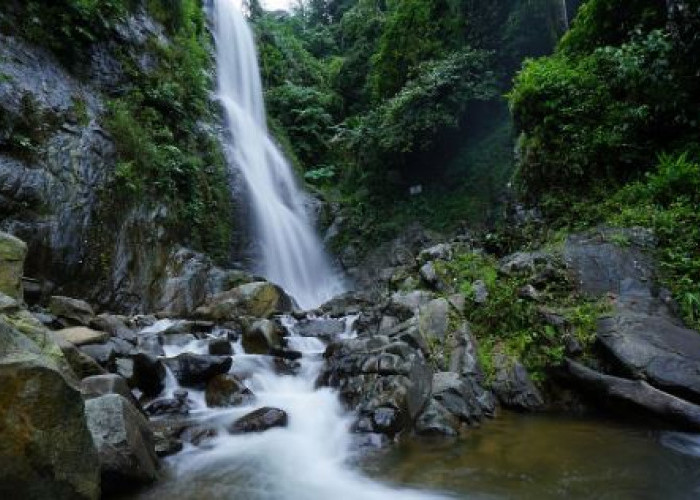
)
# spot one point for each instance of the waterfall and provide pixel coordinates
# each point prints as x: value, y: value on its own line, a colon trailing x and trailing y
x: 565, y: 14
x: 292, y: 254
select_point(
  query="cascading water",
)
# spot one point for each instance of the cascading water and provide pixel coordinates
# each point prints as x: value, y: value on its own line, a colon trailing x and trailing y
x: 309, y: 457
x: 292, y: 253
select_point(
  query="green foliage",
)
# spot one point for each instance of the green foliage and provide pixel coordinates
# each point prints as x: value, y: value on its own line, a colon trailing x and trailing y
x: 429, y: 105
x: 606, y: 102
x: 514, y: 326
x: 164, y: 154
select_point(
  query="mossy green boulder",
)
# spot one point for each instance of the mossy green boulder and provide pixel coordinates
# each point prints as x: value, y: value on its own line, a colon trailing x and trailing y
x: 12, y: 254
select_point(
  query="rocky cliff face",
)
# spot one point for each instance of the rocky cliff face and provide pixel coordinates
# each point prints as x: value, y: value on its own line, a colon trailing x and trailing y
x: 58, y: 164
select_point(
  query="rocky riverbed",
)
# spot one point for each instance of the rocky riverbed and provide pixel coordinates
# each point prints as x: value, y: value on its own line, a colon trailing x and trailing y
x: 99, y: 399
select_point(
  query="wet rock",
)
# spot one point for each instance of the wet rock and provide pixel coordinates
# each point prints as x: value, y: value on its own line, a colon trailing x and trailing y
x: 150, y: 343
x: 75, y: 311
x: 45, y: 447
x: 259, y: 299
x: 81, y: 335
x: 165, y: 445
x: 144, y: 372
x: 289, y: 354
x: 436, y: 420
x: 655, y: 349
x: 124, y: 443
x: 177, y: 405
x: 178, y: 339
x: 104, y: 355
x: 110, y: 383
x: 226, y: 390
x: 458, y: 397
x: 259, y: 420
x: 12, y: 254
x: 83, y: 365
x: 197, y: 369
x: 200, y: 436
x: 635, y: 396
x: 325, y: 329
x: 261, y: 336
x: 346, y: 304
x: 220, y: 347
x: 114, y: 325
x: 376, y: 372
x: 512, y: 385
x: 285, y: 366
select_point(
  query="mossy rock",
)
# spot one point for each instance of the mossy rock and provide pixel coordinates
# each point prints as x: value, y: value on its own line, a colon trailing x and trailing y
x: 12, y: 254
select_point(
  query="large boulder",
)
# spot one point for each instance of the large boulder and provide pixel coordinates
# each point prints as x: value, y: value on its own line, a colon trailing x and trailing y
x: 197, y: 369
x: 259, y: 299
x: 226, y: 390
x: 259, y: 420
x: 143, y: 372
x: 80, y: 335
x: 45, y: 447
x: 124, y: 443
x: 635, y: 396
x: 386, y: 381
x: 512, y: 385
x: 655, y: 349
x: 75, y: 311
x: 262, y: 336
x: 12, y: 254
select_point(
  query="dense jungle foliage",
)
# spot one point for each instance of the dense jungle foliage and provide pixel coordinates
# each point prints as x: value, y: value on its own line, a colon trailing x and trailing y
x: 373, y: 97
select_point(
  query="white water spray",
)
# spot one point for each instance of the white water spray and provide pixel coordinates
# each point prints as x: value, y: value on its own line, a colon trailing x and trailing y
x: 291, y: 251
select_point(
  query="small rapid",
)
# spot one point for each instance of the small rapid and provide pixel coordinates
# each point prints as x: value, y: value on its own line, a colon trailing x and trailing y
x: 292, y: 254
x: 311, y: 458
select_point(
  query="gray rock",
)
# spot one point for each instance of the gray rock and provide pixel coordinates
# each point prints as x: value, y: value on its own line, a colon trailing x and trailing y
x: 636, y: 396
x: 220, y: 347
x: 110, y: 383
x: 529, y: 292
x: 143, y: 372
x: 124, y: 443
x: 197, y: 369
x: 524, y: 262
x: 80, y: 335
x: 226, y: 390
x: 45, y: 447
x: 655, y: 349
x: 441, y: 251
x: 76, y: 311
x: 436, y: 420
x: 261, y: 336
x: 480, y: 292
x: 177, y: 405
x: 104, y: 354
x: 114, y: 325
x: 434, y: 320
x: 151, y: 343
x: 325, y: 329
x: 512, y: 385
x: 374, y: 374
x: 259, y: 420
x: 429, y: 275
x: 457, y: 396
x: 259, y: 299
